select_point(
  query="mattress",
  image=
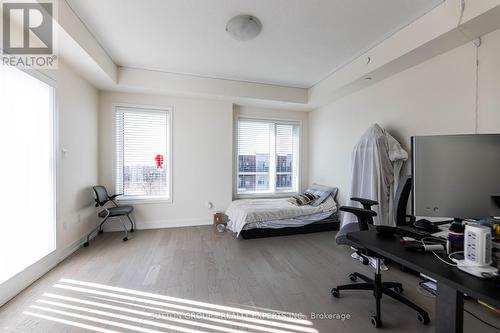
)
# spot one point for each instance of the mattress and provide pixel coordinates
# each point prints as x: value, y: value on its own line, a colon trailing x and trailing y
x: 267, y: 213
x: 331, y: 223
x: 288, y: 223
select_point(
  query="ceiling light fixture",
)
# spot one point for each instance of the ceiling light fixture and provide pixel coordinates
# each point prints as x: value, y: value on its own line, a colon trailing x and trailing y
x: 243, y: 27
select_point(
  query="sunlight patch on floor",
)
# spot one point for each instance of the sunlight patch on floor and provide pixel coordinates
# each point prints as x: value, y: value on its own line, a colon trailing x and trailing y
x: 97, y: 307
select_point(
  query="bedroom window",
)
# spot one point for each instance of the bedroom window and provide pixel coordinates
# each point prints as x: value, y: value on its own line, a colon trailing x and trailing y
x: 267, y: 160
x: 143, y: 153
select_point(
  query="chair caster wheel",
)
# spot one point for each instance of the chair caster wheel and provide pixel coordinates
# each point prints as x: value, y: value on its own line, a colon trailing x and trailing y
x: 376, y: 322
x: 335, y: 293
x: 353, y: 277
x: 100, y: 232
x: 125, y: 239
x: 132, y: 230
x: 423, y: 318
x: 399, y: 290
x: 85, y: 244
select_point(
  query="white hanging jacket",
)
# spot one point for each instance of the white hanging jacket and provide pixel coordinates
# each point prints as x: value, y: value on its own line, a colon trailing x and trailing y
x: 377, y: 160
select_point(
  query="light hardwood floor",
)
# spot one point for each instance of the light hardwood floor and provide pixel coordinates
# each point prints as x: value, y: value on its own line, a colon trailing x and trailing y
x: 159, y: 278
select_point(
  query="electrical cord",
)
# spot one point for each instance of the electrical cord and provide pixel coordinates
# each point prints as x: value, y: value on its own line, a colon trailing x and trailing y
x: 447, y: 263
x: 482, y: 320
x: 435, y: 240
x: 421, y: 290
x: 453, y: 253
x: 456, y: 252
x: 429, y: 294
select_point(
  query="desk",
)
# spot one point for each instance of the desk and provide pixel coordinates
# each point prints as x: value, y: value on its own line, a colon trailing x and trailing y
x: 452, y: 283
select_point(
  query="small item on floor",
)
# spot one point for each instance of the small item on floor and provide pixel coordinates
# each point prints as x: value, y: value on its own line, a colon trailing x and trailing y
x: 221, y: 227
x: 220, y: 221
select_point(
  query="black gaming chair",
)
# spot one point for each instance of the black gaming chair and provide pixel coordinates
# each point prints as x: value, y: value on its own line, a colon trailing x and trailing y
x: 401, y: 201
x: 101, y: 199
x: 365, y: 222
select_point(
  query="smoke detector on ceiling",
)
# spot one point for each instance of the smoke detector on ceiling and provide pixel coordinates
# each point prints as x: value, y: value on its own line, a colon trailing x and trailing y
x: 243, y: 27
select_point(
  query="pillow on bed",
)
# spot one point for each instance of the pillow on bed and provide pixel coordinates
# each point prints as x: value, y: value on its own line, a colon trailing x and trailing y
x: 323, y: 192
x: 301, y: 199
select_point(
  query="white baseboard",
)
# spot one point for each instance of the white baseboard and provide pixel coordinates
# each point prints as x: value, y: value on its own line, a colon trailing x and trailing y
x: 15, y: 285
x: 115, y: 225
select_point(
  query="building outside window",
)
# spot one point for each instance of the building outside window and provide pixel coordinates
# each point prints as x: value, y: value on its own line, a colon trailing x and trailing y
x: 267, y: 156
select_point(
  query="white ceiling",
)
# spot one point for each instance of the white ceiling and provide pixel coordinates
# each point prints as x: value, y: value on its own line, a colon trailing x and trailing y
x: 302, y: 41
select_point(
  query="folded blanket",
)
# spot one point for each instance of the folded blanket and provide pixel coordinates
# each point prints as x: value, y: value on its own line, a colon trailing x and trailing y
x: 242, y: 212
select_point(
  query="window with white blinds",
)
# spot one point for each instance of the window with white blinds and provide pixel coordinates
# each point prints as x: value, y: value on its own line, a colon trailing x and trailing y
x: 267, y: 156
x: 143, y: 154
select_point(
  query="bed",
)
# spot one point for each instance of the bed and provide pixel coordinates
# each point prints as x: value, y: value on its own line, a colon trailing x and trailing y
x: 257, y: 218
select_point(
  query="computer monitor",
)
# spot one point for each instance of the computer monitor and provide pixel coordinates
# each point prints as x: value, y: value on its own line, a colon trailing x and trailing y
x: 455, y: 175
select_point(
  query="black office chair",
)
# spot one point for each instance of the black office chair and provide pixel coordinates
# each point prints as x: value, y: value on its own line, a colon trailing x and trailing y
x: 367, y: 204
x: 101, y: 199
x: 401, y: 201
x: 391, y: 289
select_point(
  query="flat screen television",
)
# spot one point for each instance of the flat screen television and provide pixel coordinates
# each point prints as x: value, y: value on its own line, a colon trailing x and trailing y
x: 455, y: 175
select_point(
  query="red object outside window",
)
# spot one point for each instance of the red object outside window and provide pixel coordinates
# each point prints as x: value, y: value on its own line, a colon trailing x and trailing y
x: 159, y: 161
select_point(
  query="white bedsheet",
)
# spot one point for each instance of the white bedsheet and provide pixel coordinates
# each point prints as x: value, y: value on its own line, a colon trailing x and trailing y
x: 288, y: 223
x: 243, y: 212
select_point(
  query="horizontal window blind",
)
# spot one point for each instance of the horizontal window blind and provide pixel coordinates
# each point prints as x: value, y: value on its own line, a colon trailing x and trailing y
x: 142, y: 156
x: 285, y: 164
x: 255, y: 142
x: 267, y: 156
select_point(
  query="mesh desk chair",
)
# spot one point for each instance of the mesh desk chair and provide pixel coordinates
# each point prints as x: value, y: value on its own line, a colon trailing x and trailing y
x: 101, y: 199
x: 379, y: 288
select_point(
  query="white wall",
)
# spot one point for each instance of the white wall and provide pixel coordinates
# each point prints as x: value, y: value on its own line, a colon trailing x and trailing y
x: 78, y: 104
x: 202, y: 155
x: 77, y: 109
x: 435, y: 97
x: 285, y: 115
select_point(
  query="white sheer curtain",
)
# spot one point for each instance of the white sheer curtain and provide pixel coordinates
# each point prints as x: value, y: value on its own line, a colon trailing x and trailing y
x: 27, y: 171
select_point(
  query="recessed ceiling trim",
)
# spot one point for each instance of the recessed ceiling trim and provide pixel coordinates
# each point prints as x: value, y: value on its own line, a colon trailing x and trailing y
x: 303, y: 41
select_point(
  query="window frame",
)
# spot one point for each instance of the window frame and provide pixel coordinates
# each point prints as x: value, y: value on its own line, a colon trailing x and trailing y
x: 145, y: 108
x: 276, y: 121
